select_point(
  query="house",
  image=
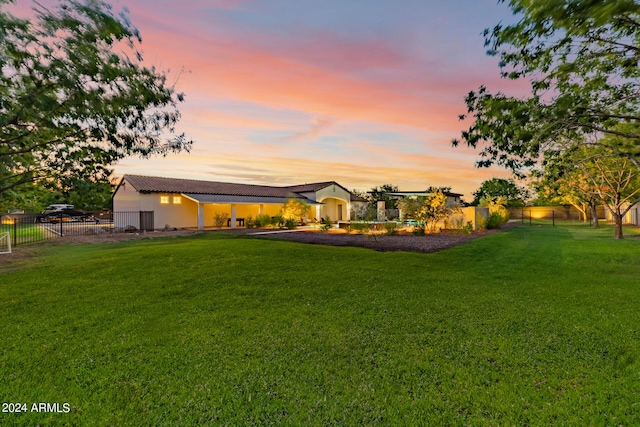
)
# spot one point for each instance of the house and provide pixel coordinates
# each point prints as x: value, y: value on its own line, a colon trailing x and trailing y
x: 186, y: 203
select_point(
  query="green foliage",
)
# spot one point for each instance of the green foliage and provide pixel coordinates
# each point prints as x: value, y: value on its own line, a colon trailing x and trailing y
x: 410, y: 206
x: 579, y: 60
x: 360, y: 227
x: 434, y: 210
x: 326, y: 223
x: 262, y: 220
x: 418, y: 231
x: 391, y: 228
x: 497, y: 187
x: 220, y: 219
x: 277, y: 221
x: 295, y: 210
x: 468, y: 228
x: 498, y: 213
x: 75, y: 96
x: 363, y: 212
x: 614, y: 180
x: 495, y: 220
x: 290, y: 223
x: 377, y: 194
x: 90, y: 194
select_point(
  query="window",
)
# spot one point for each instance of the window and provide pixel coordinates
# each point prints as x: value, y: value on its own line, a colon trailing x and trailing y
x: 177, y: 200
x: 164, y: 200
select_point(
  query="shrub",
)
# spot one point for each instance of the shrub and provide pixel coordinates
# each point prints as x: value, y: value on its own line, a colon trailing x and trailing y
x: 391, y: 228
x: 262, y: 221
x: 249, y: 221
x: 494, y: 220
x: 468, y: 228
x: 430, y: 210
x: 290, y: 223
x: 361, y: 227
x: 326, y: 223
x: 220, y: 219
x: 418, y: 231
x: 277, y: 221
x: 294, y: 209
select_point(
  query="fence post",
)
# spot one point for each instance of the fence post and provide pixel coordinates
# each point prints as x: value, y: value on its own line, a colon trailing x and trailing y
x: 15, y: 231
x: 529, y: 217
x: 522, y: 215
x: 61, y: 226
x: 553, y: 218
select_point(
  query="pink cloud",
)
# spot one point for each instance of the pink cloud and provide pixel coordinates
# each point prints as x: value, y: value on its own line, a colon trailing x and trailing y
x: 320, y: 78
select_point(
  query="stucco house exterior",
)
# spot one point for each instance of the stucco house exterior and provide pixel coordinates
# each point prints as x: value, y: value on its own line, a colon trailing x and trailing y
x: 186, y: 203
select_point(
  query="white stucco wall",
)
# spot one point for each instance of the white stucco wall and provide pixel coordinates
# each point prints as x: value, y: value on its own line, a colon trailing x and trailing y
x: 333, y: 196
x: 126, y: 198
x: 182, y: 215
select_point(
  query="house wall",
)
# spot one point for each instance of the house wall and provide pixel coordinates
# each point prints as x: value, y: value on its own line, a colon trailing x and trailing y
x: 332, y: 196
x: 242, y: 211
x: 331, y: 209
x: 126, y: 198
x: 178, y: 215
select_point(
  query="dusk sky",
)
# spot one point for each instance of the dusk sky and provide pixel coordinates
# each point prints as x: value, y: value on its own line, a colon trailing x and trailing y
x: 362, y: 92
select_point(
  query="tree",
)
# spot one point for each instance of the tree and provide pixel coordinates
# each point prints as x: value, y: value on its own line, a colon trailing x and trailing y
x: 614, y: 179
x: 560, y: 181
x: 494, y: 188
x: 295, y: 209
x: 429, y: 210
x: 581, y: 59
x: 377, y: 194
x: 75, y: 96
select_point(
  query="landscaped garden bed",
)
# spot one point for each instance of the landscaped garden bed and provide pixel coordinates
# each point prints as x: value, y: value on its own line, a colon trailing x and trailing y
x: 406, y: 242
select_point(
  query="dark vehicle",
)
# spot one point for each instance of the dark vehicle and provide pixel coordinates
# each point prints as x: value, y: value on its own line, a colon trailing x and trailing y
x: 66, y: 215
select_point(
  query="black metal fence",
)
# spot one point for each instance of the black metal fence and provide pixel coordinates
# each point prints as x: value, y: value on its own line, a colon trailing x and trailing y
x: 30, y: 228
x: 551, y: 214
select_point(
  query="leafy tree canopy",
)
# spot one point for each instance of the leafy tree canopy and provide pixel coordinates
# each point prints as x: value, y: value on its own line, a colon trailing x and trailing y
x: 495, y: 188
x: 75, y: 96
x: 85, y: 194
x: 377, y: 194
x: 429, y: 210
x: 581, y: 59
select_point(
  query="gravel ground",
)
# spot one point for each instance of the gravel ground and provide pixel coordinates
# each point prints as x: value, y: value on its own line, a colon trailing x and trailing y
x: 384, y: 243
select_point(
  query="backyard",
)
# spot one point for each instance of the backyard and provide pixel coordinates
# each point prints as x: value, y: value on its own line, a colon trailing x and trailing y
x: 530, y: 326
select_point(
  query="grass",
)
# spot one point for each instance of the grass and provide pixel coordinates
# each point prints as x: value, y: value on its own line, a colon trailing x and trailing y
x: 24, y: 233
x: 534, y: 326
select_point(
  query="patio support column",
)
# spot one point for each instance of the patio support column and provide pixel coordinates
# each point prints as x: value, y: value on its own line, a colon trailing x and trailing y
x: 200, y: 216
x: 318, y: 213
x: 381, y: 212
x: 348, y: 211
x: 233, y: 216
x: 261, y: 210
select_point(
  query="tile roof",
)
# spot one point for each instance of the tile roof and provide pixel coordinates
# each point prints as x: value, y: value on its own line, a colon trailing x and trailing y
x: 309, y: 188
x: 153, y: 184
x: 356, y: 198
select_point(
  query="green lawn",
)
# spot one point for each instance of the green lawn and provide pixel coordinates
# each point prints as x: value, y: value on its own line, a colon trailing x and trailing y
x: 533, y: 326
x: 25, y: 233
